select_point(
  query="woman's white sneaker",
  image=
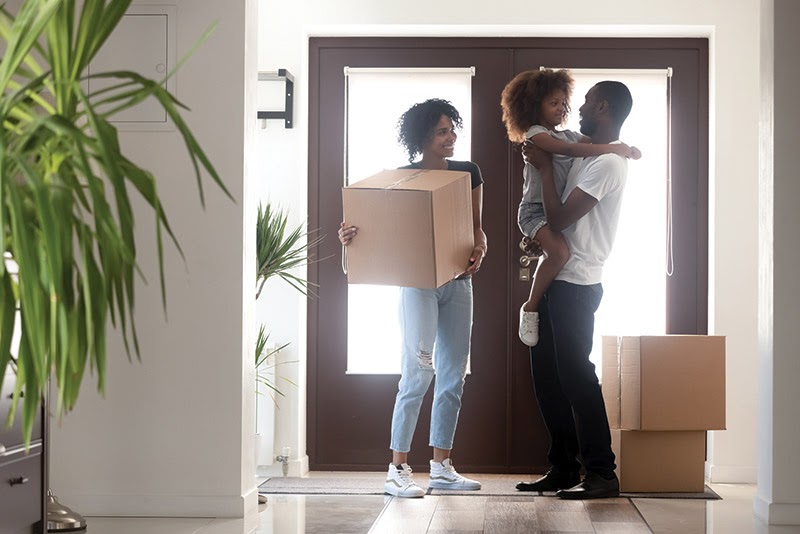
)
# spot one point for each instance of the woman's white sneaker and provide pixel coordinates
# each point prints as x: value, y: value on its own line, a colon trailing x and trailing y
x: 400, y: 482
x: 444, y: 476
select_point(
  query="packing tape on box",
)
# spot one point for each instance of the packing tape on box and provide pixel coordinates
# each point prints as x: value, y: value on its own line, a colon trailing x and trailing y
x: 408, y: 178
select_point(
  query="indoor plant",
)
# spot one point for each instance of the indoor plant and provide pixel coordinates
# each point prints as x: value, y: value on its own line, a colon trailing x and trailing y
x: 66, y: 215
x: 278, y: 252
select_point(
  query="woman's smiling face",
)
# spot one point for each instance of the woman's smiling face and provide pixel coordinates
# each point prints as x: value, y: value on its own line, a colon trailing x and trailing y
x: 442, y: 141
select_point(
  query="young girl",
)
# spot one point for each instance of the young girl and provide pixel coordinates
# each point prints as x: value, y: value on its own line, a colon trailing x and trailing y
x: 535, y: 103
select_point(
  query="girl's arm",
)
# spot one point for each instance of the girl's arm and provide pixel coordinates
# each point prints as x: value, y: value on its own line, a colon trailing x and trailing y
x: 583, y: 149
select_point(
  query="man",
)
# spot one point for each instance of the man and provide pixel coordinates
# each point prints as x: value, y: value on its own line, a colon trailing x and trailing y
x: 566, y: 385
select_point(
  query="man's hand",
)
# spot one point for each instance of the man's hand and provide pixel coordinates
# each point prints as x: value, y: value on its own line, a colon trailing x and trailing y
x: 536, y: 156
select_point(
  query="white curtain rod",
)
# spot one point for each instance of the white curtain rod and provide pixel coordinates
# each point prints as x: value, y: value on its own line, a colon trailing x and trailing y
x: 411, y: 70
x: 667, y: 71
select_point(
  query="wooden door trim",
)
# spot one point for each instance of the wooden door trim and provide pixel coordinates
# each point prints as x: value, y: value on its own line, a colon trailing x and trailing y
x: 677, y: 322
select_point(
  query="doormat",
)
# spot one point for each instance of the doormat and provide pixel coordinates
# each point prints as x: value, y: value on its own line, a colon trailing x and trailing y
x: 372, y: 484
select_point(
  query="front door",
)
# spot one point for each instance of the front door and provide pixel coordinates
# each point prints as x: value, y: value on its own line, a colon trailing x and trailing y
x: 500, y: 429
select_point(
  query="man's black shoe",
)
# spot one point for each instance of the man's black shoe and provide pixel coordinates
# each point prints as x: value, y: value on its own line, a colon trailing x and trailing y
x: 593, y: 487
x: 553, y: 480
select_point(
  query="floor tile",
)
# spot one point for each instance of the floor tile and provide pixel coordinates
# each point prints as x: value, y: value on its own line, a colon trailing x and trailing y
x: 145, y: 525
x: 471, y: 514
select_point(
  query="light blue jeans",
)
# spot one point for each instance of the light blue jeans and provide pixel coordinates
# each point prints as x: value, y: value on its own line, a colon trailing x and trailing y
x: 436, y: 325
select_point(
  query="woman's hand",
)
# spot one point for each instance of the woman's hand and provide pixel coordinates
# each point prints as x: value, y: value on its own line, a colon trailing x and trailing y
x: 346, y: 233
x: 475, y: 259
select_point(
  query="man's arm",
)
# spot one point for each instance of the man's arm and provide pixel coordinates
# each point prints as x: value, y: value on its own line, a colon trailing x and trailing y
x: 559, y: 215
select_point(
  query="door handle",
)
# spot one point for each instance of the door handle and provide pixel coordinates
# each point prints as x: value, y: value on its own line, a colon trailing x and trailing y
x: 526, y: 261
x: 18, y: 480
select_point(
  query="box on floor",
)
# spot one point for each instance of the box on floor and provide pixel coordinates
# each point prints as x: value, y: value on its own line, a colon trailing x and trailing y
x: 672, y: 382
x: 661, y: 462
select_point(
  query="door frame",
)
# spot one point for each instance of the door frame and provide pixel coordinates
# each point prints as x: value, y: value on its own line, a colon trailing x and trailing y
x: 687, y: 289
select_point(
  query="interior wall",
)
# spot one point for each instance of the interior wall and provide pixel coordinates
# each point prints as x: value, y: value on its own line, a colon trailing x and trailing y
x: 733, y: 29
x: 174, y: 434
x: 778, y: 498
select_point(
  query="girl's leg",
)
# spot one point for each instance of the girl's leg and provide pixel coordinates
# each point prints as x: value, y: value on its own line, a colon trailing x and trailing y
x: 555, y: 255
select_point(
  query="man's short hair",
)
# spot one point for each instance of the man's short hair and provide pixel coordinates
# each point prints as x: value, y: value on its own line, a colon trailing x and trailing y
x: 618, y: 97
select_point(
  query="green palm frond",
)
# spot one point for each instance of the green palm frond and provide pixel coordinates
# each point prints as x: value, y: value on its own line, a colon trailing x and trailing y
x: 279, y: 251
x: 65, y: 205
x: 265, y: 361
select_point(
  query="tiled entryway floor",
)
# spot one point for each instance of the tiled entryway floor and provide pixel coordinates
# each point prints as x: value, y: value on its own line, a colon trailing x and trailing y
x: 375, y: 514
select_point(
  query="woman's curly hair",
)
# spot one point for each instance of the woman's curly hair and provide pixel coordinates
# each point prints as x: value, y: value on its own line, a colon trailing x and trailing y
x: 415, y: 126
x: 523, y: 96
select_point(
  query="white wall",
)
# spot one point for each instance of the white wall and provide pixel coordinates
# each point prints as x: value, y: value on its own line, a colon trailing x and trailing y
x: 778, y: 498
x: 174, y: 434
x: 733, y: 27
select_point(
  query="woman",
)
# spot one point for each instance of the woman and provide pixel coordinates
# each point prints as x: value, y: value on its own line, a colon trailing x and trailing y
x: 440, y: 318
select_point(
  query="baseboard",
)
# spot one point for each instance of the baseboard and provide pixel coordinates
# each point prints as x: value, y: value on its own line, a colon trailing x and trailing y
x: 731, y: 474
x: 251, y: 502
x: 163, y: 505
x: 773, y: 513
x: 300, y: 467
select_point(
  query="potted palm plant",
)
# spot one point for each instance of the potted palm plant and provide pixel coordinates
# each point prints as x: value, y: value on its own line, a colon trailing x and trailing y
x: 279, y: 251
x: 65, y: 205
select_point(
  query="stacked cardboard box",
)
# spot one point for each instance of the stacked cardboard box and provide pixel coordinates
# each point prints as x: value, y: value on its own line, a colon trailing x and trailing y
x: 662, y: 393
x: 414, y: 227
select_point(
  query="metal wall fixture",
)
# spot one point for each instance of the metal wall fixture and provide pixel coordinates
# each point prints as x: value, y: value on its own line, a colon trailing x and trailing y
x: 288, y: 110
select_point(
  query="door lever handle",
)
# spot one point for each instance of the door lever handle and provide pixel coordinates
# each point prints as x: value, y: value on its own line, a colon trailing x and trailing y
x: 526, y: 261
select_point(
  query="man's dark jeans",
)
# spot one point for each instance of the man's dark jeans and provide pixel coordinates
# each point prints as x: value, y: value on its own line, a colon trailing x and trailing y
x: 566, y: 385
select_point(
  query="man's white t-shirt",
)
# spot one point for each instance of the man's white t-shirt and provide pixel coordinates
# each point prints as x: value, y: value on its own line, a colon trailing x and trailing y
x: 591, y: 237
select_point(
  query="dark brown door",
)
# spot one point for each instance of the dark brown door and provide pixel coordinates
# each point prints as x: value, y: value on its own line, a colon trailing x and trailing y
x: 500, y: 429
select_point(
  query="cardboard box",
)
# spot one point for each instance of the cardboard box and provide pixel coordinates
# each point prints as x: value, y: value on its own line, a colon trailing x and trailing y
x: 664, y: 382
x: 662, y: 462
x: 414, y: 227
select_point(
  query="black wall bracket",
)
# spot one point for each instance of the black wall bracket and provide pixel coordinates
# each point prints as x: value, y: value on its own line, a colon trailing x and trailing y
x: 288, y: 110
